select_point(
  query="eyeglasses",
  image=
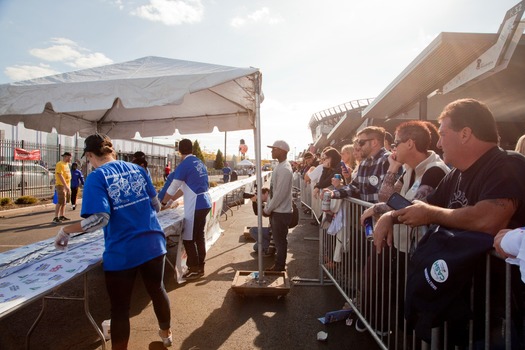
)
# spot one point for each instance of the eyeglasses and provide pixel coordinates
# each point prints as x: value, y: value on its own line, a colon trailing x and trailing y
x: 362, y: 142
x: 397, y: 142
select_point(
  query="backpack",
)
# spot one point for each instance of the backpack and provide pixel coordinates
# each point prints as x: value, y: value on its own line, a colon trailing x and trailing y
x: 439, y: 279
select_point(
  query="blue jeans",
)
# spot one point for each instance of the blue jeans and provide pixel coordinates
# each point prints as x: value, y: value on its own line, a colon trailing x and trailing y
x: 119, y: 285
x: 279, y: 223
x: 266, y: 236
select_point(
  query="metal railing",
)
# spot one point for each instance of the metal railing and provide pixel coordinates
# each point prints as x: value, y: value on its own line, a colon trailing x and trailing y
x: 374, y: 285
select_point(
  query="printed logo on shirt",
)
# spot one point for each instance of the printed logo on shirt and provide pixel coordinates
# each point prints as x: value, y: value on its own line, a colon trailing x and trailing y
x: 127, y: 188
x: 201, y: 168
x: 458, y: 198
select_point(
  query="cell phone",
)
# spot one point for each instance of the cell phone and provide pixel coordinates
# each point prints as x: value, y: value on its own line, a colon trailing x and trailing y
x: 397, y: 201
x: 343, y: 165
x: 369, y: 229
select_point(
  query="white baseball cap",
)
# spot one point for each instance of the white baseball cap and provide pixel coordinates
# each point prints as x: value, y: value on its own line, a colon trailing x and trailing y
x: 281, y: 145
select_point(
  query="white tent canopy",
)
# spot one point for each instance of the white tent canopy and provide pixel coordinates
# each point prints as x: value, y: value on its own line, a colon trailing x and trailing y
x: 152, y: 95
x: 245, y: 162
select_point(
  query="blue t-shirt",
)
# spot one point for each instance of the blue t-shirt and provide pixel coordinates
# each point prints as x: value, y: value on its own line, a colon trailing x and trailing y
x: 194, y: 173
x: 76, y: 178
x: 133, y: 234
x: 167, y: 184
x: 226, y: 170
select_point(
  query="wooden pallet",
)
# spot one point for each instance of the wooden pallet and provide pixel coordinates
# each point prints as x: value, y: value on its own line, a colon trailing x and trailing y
x: 272, y: 283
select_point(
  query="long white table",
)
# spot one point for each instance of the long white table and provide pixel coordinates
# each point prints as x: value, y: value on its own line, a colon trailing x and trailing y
x: 36, y: 271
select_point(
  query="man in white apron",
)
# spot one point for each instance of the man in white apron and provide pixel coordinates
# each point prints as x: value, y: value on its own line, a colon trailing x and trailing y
x: 191, y: 177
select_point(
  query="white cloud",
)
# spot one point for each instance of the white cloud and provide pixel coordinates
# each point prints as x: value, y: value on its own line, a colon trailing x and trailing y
x: 171, y: 12
x: 56, y: 53
x: 61, y: 50
x: 17, y: 73
x: 237, y: 22
x: 260, y: 16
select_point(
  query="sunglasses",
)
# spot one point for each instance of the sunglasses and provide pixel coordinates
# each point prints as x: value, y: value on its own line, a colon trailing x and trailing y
x: 361, y: 143
x: 397, y: 142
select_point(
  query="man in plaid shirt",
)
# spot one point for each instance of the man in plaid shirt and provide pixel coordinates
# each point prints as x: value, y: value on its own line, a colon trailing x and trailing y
x: 372, y: 169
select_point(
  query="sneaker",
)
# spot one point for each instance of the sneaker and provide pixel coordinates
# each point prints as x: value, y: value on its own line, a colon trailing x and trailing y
x: 56, y: 220
x: 73, y: 207
x: 63, y: 218
x: 192, y: 275
x: 275, y: 268
x: 167, y: 342
x: 360, y: 326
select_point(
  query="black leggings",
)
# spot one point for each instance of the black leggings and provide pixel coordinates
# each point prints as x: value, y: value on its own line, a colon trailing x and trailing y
x: 119, y: 285
x: 74, y: 193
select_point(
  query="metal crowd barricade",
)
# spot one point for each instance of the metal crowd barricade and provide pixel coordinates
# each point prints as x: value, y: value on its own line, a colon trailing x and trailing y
x: 373, y: 284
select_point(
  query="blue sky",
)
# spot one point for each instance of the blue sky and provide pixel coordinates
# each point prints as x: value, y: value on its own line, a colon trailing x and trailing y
x: 313, y: 54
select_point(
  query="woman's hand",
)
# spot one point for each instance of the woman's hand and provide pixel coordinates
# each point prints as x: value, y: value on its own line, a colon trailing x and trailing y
x: 394, y: 165
x: 383, y: 232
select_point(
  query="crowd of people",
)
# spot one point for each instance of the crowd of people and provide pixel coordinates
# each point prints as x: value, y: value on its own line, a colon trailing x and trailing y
x: 455, y: 177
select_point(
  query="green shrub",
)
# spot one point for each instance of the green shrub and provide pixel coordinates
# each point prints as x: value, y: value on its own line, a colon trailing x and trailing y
x: 5, y: 201
x: 26, y: 200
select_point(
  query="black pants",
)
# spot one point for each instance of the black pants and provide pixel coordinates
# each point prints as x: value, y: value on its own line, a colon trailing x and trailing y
x: 196, y: 248
x: 119, y: 285
x: 74, y: 192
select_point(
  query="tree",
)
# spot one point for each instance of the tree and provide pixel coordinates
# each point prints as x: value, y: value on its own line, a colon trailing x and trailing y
x: 197, y: 152
x: 219, y: 161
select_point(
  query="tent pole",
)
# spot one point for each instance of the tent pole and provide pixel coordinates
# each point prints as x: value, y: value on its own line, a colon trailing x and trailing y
x: 259, y: 182
x: 225, y: 136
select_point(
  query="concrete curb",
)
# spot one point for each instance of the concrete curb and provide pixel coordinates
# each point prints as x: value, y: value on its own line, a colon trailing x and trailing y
x: 32, y: 209
x: 26, y: 210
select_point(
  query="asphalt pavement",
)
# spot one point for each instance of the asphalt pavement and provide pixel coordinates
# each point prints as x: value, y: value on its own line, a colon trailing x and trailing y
x: 206, y: 314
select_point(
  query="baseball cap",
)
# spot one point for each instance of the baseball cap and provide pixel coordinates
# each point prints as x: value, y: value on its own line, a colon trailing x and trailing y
x: 281, y: 145
x: 93, y: 143
x: 66, y: 154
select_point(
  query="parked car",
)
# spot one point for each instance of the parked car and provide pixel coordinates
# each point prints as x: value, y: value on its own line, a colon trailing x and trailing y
x: 34, y: 176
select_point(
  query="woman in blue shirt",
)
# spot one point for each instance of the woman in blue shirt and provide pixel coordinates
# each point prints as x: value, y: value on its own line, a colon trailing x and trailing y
x: 120, y: 198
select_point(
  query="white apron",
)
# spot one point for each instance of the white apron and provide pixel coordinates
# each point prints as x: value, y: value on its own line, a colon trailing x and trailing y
x: 190, y: 201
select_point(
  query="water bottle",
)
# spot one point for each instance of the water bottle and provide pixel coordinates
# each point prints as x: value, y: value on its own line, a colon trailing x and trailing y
x: 325, y: 203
